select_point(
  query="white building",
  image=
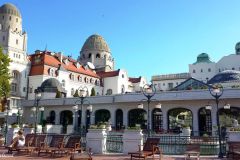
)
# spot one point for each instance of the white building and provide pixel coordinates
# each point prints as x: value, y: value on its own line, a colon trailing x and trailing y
x: 203, y: 70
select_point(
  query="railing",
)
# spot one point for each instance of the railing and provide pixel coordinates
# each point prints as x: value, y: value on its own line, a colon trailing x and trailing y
x: 176, y: 144
x: 114, y: 142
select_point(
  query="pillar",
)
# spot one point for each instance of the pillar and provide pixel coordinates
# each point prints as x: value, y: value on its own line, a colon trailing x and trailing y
x: 195, y: 121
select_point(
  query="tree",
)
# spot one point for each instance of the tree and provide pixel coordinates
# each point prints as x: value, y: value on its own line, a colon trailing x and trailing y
x: 4, y: 79
x: 93, y: 93
x: 76, y: 94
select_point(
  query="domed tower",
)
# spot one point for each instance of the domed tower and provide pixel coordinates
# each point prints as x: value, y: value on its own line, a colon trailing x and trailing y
x: 14, y: 44
x: 96, y: 51
x: 12, y: 39
x: 10, y: 17
x: 237, y: 48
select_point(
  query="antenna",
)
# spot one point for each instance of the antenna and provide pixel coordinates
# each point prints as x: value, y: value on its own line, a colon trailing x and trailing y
x: 46, y: 47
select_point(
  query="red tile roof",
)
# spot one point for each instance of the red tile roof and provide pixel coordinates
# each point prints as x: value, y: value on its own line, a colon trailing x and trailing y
x: 103, y: 74
x: 53, y: 60
x: 135, y: 80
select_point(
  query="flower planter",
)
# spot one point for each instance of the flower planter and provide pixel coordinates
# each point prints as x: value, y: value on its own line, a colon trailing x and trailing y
x: 234, y: 136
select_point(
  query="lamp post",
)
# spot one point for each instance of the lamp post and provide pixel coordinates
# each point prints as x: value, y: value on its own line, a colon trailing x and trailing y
x: 36, y: 109
x: 217, y: 93
x: 6, y: 114
x: 82, y: 96
x: 19, y: 115
x: 148, y: 91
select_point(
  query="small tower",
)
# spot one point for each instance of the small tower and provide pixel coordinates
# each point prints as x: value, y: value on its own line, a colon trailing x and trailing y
x: 237, y: 48
x: 96, y: 51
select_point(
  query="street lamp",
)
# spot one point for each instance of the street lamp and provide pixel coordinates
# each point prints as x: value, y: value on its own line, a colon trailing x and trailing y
x: 19, y: 115
x: 6, y: 114
x: 82, y: 96
x: 148, y: 91
x: 36, y: 109
x: 217, y: 92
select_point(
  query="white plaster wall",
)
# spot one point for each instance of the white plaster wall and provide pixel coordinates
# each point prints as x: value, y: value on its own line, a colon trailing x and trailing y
x: 229, y: 62
x: 163, y: 84
x: 202, y: 76
x: 110, y: 83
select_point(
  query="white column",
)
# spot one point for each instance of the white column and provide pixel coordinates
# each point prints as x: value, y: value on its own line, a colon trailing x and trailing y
x: 112, y: 116
x: 165, y: 118
x: 57, y: 117
x: 96, y: 140
x: 125, y: 117
x: 195, y: 120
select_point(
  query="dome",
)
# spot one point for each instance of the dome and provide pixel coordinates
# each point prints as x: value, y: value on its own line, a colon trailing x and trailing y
x: 237, y: 48
x: 203, y: 58
x: 51, y: 85
x: 226, y: 76
x: 95, y: 42
x: 9, y: 8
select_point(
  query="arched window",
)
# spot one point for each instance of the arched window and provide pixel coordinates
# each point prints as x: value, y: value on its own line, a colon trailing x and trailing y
x: 71, y: 76
x: 201, y: 70
x: 89, y: 55
x: 96, y: 82
x: 63, y: 83
x: 10, y: 18
x: 72, y: 91
x: 123, y: 89
x: 97, y: 55
x: 16, y: 19
x: 109, y: 92
x: 194, y: 71
x: 16, y: 41
x: 51, y: 72
x: 79, y: 78
x: 209, y: 69
x: 86, y: 80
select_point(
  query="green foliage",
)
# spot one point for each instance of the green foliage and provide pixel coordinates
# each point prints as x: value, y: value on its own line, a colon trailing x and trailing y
x: 58, y: 94
x: 93, y: 93
x: 76, y: 94
x: 4, y: 78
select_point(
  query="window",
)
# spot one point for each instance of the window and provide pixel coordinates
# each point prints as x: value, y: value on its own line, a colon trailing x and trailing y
x: 16, y: 41
x: 14, y: 87
x: 79, y: 78
x: 71, y: 76
x: 3, y: 38
x: 163, y: 84
x: 176, y: 83
x: 201, y: 70
x: 24, y: 89
x: 194, y: 71
x: 233, y: 68
x: 122, y: 75
x: 209, y: 69
x: 170, y: 85
x: 15, y: 75
x: 89, y: 55
x: 109, y: 92
x: 96, y: 82
x: 30, y: 90
x: 86, y: 80
x: 97, y: 55
x: 10, y: 18
x: 220, y: 69
x: 63, y: 83
x: 16, y: 19
x: 2, y: 17
x: 72, y: 91
x: 123, y: 89
x: 51, y: 72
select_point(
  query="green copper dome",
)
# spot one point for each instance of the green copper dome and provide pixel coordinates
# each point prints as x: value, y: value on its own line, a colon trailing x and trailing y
x: 237, y: 48
x: 95, y: 42
x: 203, y: 58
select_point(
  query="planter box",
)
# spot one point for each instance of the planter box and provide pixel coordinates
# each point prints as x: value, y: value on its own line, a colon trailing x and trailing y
x: 234, y: 136
x: 131, y: 140
x: 96, y: 140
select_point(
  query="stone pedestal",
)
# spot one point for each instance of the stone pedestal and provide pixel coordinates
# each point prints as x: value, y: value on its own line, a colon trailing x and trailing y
x: 131, y: 140
x: 11, y: 134
x: 96, y: 140
x: 49, y: 128
x: 28, y: 130
x: 233, y: 136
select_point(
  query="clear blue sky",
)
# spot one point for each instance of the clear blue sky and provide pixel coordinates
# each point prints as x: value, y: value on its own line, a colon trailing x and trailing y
x: 146, y: 37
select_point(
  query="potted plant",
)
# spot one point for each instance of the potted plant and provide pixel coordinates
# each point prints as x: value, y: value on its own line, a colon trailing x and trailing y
x: 205, y: 137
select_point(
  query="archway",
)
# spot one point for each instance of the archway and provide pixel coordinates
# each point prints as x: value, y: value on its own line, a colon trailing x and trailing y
x: 119, y: 119
x: 204, y: 121
x: 66, y: 117
x: 179, y: 117
x: 52, y: 116
x: 227, y: 116
x: 102, y: 115
x: 137, y: 116
x: 157, y: 122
